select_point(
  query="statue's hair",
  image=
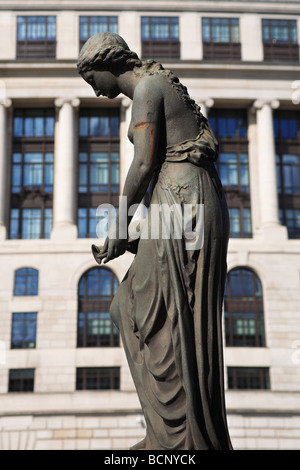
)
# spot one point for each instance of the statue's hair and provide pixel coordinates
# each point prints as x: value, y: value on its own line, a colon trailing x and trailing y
x: 106, y: 52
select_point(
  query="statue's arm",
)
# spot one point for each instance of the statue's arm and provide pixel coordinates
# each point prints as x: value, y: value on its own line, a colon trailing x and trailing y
x: 146, y: 118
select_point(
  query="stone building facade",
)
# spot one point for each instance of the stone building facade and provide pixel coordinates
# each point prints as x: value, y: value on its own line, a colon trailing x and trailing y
x: 64, y: 379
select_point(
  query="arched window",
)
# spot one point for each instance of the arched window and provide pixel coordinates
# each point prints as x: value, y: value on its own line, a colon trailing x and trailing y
x: 26, y: 281
x: 95, y: 293
x: 243, y: 305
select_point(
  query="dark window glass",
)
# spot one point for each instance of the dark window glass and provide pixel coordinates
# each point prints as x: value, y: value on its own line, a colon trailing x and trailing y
x: 90, y: 25
x: 32, y: 170
x: 220, y: 30
x: 95, y: 293
x: 98, y: 378
x: 34, y: 123
x: 29, y: 224
x: 287, y: 141
x: 98, y: 167
x: 160, y: 28
x: 280, y: 39
x: 228, y: 124
x: 21, y: 380
x: 243, y: 306
x: 36, y: 37
x: 23, y: 335
x: 230, y: 128
x: 240, y: 222
x: 221, y: 38
x: 248, y: 378
x: 234, y: 170
x: 279, y: 31
x: 160, y: 37
x: 26, y: 281
x: 32, y: 173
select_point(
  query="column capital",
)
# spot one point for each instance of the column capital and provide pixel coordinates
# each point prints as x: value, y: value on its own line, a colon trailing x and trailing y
x: 260, y: 103
x: 205, y: 104
x: 74, y: 102
x: 126, y: 102
x: 7, y: 102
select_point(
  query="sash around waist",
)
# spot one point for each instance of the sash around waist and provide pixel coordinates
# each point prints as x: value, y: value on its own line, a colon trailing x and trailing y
x: 202, y: 149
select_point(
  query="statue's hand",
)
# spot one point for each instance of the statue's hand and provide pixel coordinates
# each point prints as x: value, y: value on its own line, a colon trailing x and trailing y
x: 112, y: 248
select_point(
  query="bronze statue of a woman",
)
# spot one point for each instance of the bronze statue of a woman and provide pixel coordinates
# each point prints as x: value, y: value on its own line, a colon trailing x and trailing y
x: 168, y: 307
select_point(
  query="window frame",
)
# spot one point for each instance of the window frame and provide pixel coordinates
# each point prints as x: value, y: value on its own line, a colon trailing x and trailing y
x: 276, y: 49
x: 43, y: 48
x: 217, y: 49
x: 113, y: 378
x: 160, y: 48
x: 25, y: 198
x: 236, y: 374
x: 26, y: 275
x: 31, y: 318
x: 90, y: 144
x: 26, y: 384
x: 244, y: 306
x: 89, y: 304
x: 111, y: 24
x: 235, y: 143
x: 289, y: 144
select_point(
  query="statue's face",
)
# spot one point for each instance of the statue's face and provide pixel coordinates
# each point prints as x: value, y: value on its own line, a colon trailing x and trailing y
x: 103, y: 83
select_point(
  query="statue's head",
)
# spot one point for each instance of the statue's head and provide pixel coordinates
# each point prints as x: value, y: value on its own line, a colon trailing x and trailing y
x: 106, y: 52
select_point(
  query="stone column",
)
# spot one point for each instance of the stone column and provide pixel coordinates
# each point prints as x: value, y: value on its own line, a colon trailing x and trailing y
x: 3, y: 167
x: 267, y: 184
x: 65, y: 171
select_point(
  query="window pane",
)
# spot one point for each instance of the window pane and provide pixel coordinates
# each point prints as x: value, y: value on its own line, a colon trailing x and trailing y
x: 21, y: 380
x: 145, y: 29
x: 83, y: 126
x: 83, y: 177
x: 82, y: 223
x: 49, y: 126
x: 31, y: 281
x: 33, y: 169
x: 235, y: 229
x: 31, y: 224
x: 83, y: 28
x: 21, y: 28
x: 28, y: 127
x: 114, y: 126
x: 115, y: 172
x: 205, y: 29
x: 51, y: 28
x: 23, y: 330
x: 14, y: 223
x: 30, y: 330
x: 247, y: 221
x: 48, y: 177
x: 16, y: 178
x: 18, y: 127
x: 93, y: 222
x: 17, y: 330
x: 96, y: 329
x: 47, y: 222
